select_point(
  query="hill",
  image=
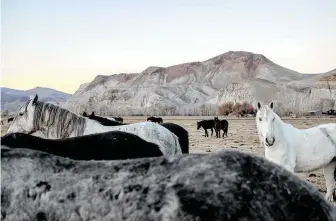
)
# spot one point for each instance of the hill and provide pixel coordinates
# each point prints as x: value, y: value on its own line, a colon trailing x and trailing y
x: 12, y: 99
x: 201, y: 86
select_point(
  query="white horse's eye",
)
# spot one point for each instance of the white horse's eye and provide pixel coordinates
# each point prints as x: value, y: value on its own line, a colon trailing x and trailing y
x: 20, y: 114
x: 259, y: 118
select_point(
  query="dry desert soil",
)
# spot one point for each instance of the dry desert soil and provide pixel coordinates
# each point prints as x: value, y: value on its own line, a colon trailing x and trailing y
x: 242, y: 135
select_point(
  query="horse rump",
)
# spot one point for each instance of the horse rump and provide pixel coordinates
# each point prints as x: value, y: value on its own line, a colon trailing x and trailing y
x: 181, y: 133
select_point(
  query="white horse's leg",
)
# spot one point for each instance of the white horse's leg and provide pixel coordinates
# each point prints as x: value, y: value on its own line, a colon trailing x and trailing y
x: 328, y: 172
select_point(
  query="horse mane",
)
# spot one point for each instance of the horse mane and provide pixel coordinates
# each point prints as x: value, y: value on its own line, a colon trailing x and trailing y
x: 59, y: 121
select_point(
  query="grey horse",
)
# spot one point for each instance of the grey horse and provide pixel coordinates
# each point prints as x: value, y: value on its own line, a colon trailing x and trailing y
x: 227, y: 185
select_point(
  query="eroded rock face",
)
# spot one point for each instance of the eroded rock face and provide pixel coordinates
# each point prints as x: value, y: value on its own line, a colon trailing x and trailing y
x: 228, y: 185
x: 189, y: 85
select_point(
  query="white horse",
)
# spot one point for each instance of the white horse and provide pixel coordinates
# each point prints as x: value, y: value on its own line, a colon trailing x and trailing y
x: 55, y: 122
x: 298, y: 150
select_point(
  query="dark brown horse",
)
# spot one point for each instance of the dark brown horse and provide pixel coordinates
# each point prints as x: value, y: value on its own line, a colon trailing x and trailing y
x: 102, y: 120
x: 206, y: 124
x: 220, y: 125
x: 155, y: 119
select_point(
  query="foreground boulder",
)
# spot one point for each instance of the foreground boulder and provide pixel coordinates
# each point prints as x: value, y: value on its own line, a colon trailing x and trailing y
x: 227, y: 185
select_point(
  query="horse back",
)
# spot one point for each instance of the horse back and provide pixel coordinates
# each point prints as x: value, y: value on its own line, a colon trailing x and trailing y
x: 105, y: 121
x: 208, y: 124
x: 111, y: 145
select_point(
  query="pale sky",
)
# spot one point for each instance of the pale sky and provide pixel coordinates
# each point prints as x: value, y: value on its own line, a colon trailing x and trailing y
x: 64, y: 43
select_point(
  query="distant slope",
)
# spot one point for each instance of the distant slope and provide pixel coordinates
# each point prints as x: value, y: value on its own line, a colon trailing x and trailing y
x: 12, y: 99
x: 179, y: 89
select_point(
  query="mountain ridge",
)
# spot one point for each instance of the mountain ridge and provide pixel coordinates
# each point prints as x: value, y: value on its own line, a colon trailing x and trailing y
x: 12, y: 99
x: 232, y: 76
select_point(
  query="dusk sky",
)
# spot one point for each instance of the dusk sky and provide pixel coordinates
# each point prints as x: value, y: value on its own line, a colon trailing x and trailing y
x: 64, y: 43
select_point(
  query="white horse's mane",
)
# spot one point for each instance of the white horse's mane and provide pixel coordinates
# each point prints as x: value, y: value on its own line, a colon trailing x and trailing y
x: 60, y: 121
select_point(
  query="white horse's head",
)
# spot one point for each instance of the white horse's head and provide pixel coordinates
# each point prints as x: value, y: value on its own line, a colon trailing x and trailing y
x: 24, y: 119
x: 266, y: 120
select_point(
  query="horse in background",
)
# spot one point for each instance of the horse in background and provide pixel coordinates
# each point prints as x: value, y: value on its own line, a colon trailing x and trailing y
x: 104, y: 121
x: 158, y: 120
x: 298, y: 150
x: 206, y: 124
x: 227, y: 185
x: 119, y: 119
x: 220, y: 125
x: 56, y: 122
x: 10, y: 119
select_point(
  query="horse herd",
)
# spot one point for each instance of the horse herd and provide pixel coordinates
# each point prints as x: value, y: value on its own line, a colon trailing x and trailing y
x: 89, y: 167
x: 216, y: 124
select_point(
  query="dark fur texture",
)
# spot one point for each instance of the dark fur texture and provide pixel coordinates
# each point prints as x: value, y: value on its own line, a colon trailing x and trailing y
x: 10, y: 119
x: 120, y: 119
x: 102, y: 146
x: 102, y: 120
x: 221, y: 125
x: 158, y: 120
x: 181, y: 133
x: 226, y: 185
x: 206, y: 124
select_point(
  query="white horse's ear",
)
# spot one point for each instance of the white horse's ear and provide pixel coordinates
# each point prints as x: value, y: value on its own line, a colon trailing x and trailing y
x: 33, y: 99
x: 258, y: 105
x: 271, y: 105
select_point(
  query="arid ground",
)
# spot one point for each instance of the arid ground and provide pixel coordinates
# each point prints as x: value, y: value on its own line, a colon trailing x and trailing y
x: 242, y: 135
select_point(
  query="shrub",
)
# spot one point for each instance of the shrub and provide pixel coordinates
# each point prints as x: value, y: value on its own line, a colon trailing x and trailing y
x: 237, y: 109
x: 226, y: 108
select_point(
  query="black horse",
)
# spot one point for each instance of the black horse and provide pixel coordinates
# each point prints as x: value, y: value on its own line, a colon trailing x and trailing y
x: 220, y: 125
x: 112, y: 145
x: 10, y: 119
x: 181, y: 133
x: 120, y: 119
x: 155, y: 119
x: 102, y: 120
x: 206, y: 124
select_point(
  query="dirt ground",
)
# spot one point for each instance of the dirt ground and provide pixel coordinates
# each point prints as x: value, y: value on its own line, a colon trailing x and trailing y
x: 242, y: 135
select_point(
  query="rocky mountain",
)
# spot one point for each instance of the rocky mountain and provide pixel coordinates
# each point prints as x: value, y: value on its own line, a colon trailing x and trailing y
x: 12, y: 99
x: 198, y: 87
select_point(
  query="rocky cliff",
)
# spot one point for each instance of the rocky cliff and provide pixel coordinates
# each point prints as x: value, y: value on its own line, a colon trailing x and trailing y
x: 186, y: 88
